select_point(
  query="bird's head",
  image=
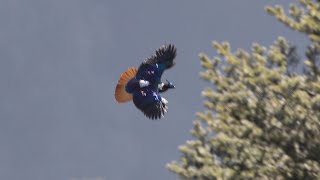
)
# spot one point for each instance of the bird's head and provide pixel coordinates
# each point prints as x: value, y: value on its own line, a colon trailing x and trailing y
x: 169, y: 85
x: 165, y: 86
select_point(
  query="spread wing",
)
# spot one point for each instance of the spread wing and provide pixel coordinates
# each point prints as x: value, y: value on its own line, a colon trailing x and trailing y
x: 154, y: 66
x: 150, y: 103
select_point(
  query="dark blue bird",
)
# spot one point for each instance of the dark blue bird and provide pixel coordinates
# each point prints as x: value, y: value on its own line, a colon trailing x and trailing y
x: 143, y: 85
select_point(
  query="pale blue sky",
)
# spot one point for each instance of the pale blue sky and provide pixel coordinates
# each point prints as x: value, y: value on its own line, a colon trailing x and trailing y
x: 60, y: 61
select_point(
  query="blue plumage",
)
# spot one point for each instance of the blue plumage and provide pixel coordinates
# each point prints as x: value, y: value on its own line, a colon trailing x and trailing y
x: 150, y: 102
x: 146, y: 86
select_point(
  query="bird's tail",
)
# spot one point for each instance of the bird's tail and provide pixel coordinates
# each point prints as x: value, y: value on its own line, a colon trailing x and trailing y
x: 120, y: 92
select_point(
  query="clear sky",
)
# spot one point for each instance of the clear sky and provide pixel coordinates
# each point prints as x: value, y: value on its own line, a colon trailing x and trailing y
x: 60, y: 61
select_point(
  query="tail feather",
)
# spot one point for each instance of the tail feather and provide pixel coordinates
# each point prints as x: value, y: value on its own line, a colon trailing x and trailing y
x: 120, y: 92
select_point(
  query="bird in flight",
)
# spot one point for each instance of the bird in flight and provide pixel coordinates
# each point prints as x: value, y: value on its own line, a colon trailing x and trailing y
x: 143, y: 85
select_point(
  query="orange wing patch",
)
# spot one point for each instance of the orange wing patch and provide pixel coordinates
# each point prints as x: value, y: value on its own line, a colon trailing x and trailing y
x: 120, y: 92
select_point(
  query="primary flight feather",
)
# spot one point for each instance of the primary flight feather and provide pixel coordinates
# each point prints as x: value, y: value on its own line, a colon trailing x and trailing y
x: 143, y: 85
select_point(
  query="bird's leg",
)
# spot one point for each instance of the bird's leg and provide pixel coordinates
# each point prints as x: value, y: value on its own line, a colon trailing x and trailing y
x: 163, y: 87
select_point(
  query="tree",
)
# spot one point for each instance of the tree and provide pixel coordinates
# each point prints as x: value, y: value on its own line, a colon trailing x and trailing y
x: 262, y: 119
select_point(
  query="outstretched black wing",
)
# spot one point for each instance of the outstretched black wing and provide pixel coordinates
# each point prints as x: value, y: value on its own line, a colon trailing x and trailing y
x: 152, y: 68
x: 164, y: 55
x: 150, y: 103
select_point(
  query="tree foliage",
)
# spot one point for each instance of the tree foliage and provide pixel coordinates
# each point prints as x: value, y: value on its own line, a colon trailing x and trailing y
x: 262, y: 119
